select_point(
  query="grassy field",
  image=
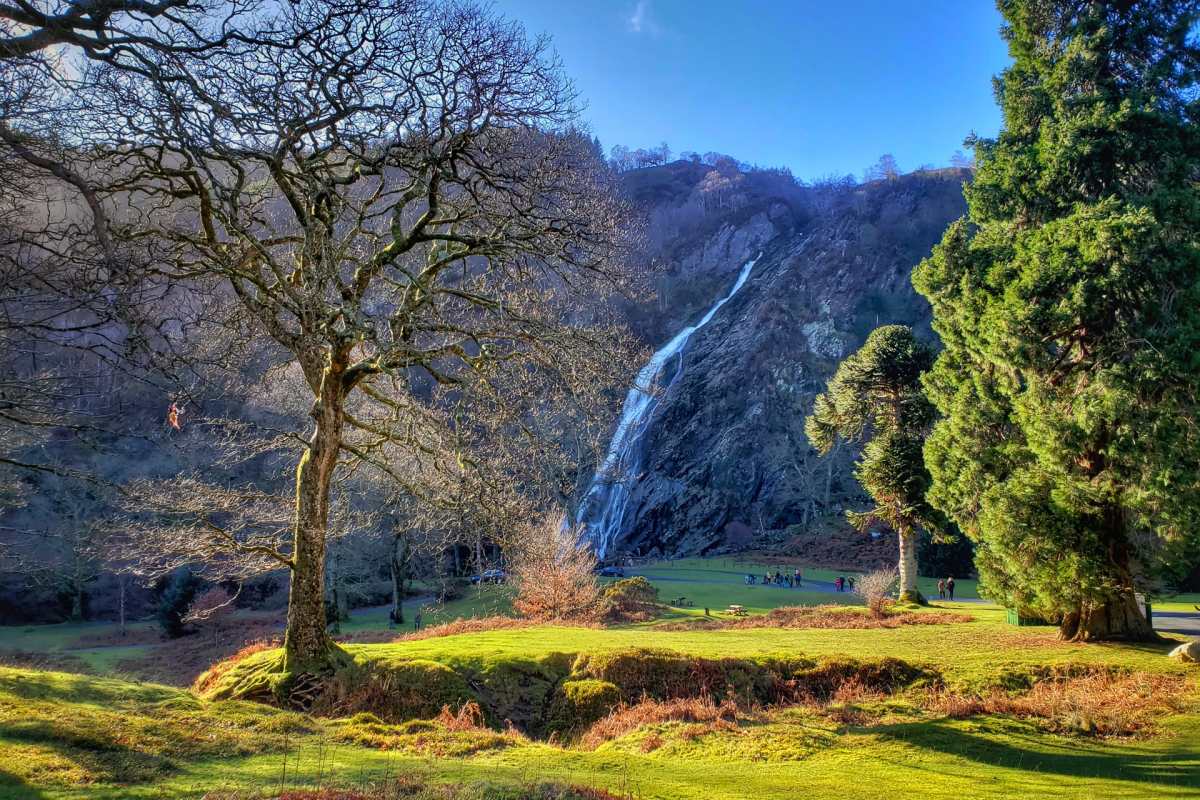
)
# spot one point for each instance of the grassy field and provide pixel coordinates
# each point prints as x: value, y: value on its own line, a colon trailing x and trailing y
x: 65, y: 736
x: 74, y: 736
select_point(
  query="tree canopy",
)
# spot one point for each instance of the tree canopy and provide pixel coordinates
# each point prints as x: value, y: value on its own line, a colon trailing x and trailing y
x: 1068, y: 302
x: 875, y: 396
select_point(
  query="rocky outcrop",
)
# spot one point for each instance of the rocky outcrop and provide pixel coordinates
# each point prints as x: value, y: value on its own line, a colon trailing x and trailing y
x: 724, y: 456
x: 733, y: 245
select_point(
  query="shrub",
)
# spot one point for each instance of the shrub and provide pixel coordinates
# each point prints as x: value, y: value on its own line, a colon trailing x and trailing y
x: 580, y: 703
x: 555, y: 576
x: 875, y: 589
x: 826, y: 616
x: 630, y: 600
x: 850, y: 677
x: 177, y: 595
x: 469, y: 717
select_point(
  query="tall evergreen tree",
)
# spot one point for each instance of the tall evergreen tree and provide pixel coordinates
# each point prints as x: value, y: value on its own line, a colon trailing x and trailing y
x: 1069, y: 306
x: 876, y: 396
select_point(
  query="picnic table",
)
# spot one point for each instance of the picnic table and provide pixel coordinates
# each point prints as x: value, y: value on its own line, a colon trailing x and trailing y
x: 736, y: 610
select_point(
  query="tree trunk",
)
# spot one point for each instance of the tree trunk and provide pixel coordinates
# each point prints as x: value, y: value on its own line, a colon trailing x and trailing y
x: 1118, y: 617
x: 307, y: 645
x: 829, y: 477
x: 336, y: 608
x: 909, y: 593
x: 77, y: 584
x: 399, y: 574
x: 121, y: 604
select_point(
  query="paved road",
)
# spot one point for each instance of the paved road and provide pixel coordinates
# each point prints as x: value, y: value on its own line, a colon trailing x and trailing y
x: 1185, y: 622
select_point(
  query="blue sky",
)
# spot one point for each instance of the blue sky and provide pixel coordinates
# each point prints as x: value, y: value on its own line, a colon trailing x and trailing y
x: 820, y: 87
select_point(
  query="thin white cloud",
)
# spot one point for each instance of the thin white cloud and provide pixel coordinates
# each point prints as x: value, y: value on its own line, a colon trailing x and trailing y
x: 641, y: 19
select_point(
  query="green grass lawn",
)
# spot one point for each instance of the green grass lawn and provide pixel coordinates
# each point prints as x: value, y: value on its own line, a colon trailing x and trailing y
x: 70, y: 736
x: 967, y: 653
x: 713, y: 583
x: 65, y: 736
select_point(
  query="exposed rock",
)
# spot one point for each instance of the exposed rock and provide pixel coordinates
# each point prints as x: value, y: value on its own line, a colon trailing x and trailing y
x: 1188, y: 652
x: 731, y: 246
x: 725, y: 457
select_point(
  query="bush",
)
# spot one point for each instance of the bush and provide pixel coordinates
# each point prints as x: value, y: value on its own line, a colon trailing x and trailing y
x: 831, y: 676
x: 630, y: 599
x: 875, y: 589
x: 704, y: 711
x: 1084, y: 701
x: 177, y: 595
x: 555, y: 576
x: 578, y: 704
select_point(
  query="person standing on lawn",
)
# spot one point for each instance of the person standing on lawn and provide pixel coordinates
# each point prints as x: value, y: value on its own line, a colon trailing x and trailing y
x: 950, y: 586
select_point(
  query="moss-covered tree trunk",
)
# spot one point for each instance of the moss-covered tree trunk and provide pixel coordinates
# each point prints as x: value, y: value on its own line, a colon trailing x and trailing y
x: 307, y: 644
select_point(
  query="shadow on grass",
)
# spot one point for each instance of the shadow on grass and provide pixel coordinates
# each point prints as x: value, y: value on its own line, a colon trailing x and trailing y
x: 94, y: 750
x: 1013, y: 745
x: 13, y: 788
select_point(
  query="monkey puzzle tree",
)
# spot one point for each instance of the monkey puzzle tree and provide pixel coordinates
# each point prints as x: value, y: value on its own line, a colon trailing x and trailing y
x: 875, y: 396
x: 1069, y: 306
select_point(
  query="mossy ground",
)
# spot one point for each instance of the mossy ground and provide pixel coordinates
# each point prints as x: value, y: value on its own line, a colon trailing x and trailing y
x: 72, y: 736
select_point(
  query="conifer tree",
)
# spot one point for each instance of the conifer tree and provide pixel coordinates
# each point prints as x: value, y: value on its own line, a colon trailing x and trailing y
x: 876, y: 396
x: 1068, y: 303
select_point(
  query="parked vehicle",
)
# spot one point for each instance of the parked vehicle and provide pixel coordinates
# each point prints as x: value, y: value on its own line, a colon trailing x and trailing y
x: 611, y: 572
x: 490, y: 576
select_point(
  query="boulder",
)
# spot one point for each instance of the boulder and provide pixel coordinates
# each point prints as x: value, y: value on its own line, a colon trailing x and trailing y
x: 1188, y: 652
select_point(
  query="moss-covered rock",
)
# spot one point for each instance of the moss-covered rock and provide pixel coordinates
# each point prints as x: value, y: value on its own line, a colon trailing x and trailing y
x: 579, y: 703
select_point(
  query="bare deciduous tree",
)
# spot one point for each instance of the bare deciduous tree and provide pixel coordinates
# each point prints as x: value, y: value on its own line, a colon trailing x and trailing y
x: 395, y: 200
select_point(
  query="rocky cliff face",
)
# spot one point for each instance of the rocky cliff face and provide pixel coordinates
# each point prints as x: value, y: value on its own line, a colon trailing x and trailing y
x: 724, y: 460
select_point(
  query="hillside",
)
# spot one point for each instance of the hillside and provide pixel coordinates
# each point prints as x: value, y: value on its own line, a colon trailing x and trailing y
x: 725, y: 463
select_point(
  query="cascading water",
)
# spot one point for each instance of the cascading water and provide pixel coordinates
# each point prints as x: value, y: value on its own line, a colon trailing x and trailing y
x: 603, y: 507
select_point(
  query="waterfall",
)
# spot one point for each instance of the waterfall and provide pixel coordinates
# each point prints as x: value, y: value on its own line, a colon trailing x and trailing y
x: 603, y: 507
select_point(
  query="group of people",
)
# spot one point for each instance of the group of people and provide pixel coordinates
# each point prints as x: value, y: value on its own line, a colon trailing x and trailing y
x: 794, y: 580
x: 946, y: 588
x: 778, y: 579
